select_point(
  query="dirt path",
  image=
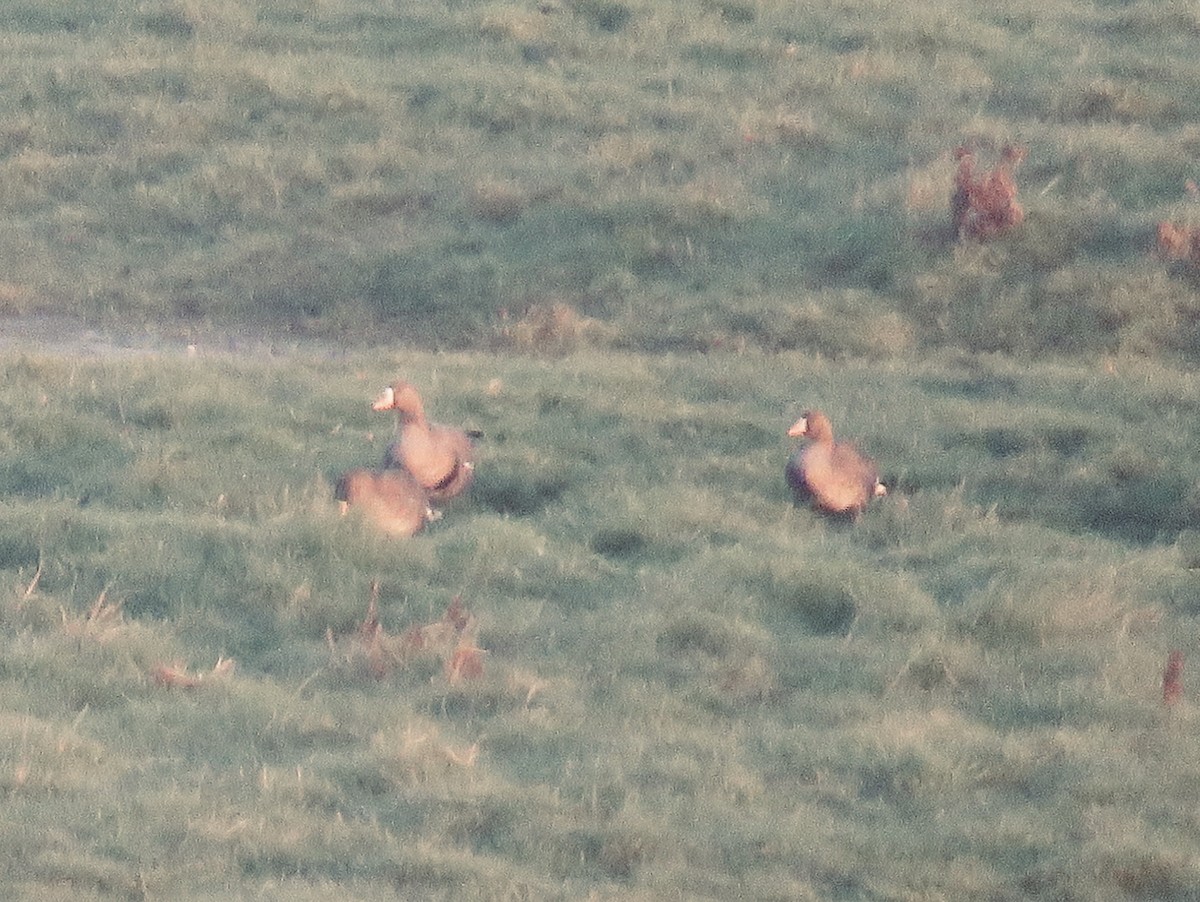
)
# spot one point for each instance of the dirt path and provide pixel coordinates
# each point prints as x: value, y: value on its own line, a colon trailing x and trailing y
x: 70, y: 337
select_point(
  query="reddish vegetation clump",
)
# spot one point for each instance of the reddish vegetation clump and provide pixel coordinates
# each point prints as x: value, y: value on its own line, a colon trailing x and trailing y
x: 457, y: 614
x: 176, y: 676
x: 466, y: 663
x: 451, y: 638
x: 984, y: 206
x: 1173, y: 678
x: 1179, y: 242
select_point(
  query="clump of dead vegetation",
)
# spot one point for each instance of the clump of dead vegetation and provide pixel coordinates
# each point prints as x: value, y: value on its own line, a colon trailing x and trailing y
x: 102, y: 620
x: 1172, y: 682
x: 449, y: 640
x: 177, y: 676
x: 418, y: 753
x: 550, y: 328
x: 1179, y: 243
x: 104, y: 624
x: 985, y: 205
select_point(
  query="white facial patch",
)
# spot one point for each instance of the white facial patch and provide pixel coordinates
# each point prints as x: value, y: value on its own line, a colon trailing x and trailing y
x: 386, y: 400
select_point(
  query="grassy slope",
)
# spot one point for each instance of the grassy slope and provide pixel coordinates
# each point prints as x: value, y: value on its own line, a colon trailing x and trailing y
x: 693, y: 173
x: 689, y: 688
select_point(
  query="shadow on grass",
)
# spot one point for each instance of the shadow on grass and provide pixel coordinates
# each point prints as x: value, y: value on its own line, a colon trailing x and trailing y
x: 621, y: 544
x: 1141, y: 510
x: 518, y: 494
x: 814, y: 602
x: 1142, y: 507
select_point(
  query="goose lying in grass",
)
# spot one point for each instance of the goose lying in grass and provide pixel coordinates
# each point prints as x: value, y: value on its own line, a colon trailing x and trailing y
x: 832, y: 476
x: 391, y: 499
x: 440, y: 458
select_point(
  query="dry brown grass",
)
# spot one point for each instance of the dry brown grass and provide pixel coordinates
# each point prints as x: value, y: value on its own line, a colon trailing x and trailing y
x: 102, y: 621
x: 176, y: 675
x: 417, y: 753
x: 550, y: 328
x: 450, y: 640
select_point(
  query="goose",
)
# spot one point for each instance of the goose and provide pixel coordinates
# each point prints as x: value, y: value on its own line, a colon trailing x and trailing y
x: 391, y: 499
x: 833, y: 477
x: 440, y: 458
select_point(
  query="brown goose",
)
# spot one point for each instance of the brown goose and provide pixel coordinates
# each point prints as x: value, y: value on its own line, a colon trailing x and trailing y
x: 440, y: 458
x: 832, y: 476
x: 391, y: 499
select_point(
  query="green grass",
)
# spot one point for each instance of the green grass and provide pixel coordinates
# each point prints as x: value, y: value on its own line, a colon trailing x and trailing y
x: 690, y: 687
x: 771, y: 174
x: 629, y: 241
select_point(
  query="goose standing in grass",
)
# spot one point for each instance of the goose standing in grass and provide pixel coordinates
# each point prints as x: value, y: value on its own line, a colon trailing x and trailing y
x: 391, y: 499
x: 440, y: 458
x: 832, y: 476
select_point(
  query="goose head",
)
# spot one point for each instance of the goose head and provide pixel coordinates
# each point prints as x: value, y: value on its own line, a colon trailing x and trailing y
x: 814, y: 425
x: 402, y: 397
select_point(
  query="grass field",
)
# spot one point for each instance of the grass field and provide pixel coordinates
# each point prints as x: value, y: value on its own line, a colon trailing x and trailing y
x: 691, y: 174
x: 689, y: 688
x: 629, y: 241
